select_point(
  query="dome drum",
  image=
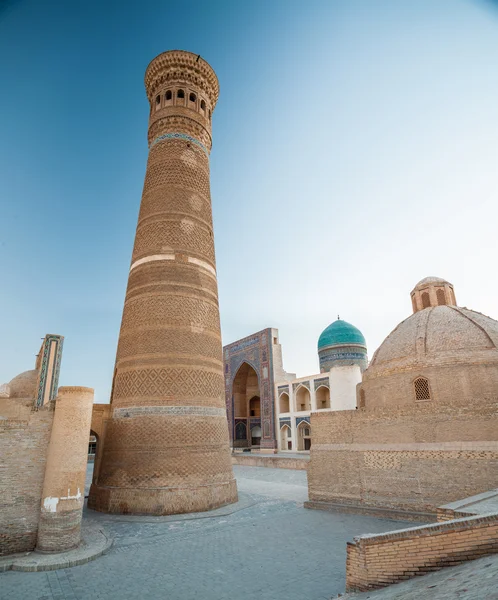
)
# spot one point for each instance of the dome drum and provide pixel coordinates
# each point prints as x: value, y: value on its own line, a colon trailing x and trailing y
x: 432, y: 291
x: 335, y: 356
x: 449, y: 384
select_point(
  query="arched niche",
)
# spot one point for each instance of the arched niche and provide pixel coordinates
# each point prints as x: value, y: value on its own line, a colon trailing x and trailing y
x: 303, y: 399
x: 322, y: 397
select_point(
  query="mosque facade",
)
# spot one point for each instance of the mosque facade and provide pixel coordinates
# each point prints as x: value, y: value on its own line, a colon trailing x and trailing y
x: 414, y: 428
x: 268, y: 409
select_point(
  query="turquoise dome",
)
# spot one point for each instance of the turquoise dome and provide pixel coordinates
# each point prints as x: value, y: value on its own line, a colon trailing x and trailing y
x: 340, y: 333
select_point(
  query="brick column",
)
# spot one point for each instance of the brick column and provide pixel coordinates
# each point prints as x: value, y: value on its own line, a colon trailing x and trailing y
x: 166, y: 447
x: 64, y: 484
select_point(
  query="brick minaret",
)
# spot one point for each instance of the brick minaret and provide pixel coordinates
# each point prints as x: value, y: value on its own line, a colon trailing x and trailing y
x: 166, y: 447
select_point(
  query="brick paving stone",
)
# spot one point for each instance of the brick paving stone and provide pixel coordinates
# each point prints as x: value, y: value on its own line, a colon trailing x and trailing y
x: 266, y: 547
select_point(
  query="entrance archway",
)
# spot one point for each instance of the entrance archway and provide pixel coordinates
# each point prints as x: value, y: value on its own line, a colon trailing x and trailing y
x: 303, y: 436
x: 246, y: 404
x: 256, y: 436
x: 240, y: 431
x: 93, y: 458
x: 92, y: 446
x: 285, y: 438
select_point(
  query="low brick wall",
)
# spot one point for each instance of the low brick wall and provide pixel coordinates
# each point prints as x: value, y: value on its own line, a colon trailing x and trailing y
x: 23, y: 452
x: 273, y: 462
x: 375, y: 561
x: 487, y: 502
x: 446, y: 514
x: 411, y: 458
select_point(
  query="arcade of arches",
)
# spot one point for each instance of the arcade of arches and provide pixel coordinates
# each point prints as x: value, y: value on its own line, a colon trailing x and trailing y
x: 247, y: 407
x: 303, y: 437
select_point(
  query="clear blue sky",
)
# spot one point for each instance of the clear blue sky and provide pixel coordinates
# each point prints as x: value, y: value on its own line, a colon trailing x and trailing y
x: 355, y: 152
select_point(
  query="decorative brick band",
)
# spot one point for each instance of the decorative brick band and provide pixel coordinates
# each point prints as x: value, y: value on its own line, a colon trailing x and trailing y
x: 179, y: 136
x: 189, y: 259
x: 196, y: 411
x: 414, y: 446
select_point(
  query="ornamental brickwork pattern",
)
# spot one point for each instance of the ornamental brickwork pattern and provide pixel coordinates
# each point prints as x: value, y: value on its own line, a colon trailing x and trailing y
x: 152, y: 344
x: 161, y: 455
x: 175, y: 309
x: 150, y: 383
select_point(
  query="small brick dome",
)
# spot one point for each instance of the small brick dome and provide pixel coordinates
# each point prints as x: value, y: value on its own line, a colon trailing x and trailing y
x: 24, y: 385
x: 426, y: 280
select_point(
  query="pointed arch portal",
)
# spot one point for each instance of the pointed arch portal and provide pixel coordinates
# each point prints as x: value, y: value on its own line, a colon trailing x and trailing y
x: 247, y: 403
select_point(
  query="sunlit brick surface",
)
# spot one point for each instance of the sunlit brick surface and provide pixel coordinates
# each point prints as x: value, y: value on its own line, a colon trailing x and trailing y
x: 169, y: 352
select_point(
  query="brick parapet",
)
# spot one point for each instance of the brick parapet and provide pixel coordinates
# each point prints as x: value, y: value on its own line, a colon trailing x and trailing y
x: 374, y: 561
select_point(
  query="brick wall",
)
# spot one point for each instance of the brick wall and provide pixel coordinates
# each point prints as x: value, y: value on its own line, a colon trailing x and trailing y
x: 374, y: 561
x: 273, y: 462
x: 447, y: 382
x: 412, y: 458
x: 445, y: 514
x: 23, y: 450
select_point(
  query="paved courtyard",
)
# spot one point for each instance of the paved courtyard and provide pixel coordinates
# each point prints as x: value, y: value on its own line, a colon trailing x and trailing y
x: 266, y: 547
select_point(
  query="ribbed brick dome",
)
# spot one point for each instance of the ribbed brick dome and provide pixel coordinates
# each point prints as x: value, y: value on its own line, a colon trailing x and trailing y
x: 438, y: 334
x: 441, y: 353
